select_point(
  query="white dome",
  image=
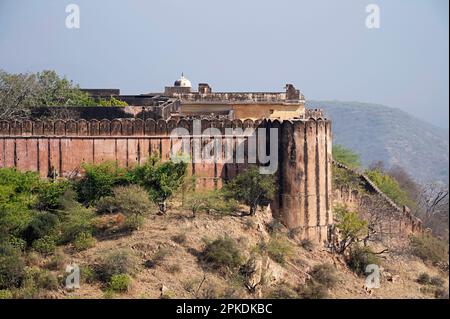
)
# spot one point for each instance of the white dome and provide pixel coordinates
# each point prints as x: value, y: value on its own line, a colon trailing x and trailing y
x: 183, y: 82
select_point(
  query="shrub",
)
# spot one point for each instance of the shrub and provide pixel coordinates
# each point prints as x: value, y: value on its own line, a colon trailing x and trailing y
x: 49, y: 194
x: 209, y: 202
x: 360, y: 257
x: 6, y: 294
x: 351, y: 227
x: 122, y: 261
x: 436, y: 281
x: 99, y: 181
x: 252, y: 188
x: 76, y: 220
x: 346, y: 156
x: 312, y: 290
x: 45, y: 245
x: 58, y: 261
x: 423, y: 279
x: 390, y: 187
x: 429, y: 248
x: 16, y: 242
x: 47, y: 280
x: 83, y: 241
x: 132, y: 200
x: 324, y: 274
x: 222, y: 252
x: 160, y: 180
x: 87, y: 274
x: 106, y: 205
x: 133, y: 223
x: 119, y: 283
x: 11, y: 266
x: 278, y: 249
x: 43, y: 224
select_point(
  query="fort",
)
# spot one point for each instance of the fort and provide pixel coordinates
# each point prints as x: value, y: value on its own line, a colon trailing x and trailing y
x: 303, y: 145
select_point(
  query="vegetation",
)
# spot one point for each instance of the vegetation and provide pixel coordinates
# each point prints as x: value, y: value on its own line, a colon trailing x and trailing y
x: 252, y: 188
x: 160, y: 180
x: 112, y: 101
x: 429, y: 248
x: 352, y: 228
x: 119, y: 283
x: 324, y: 274
x: 222, y: 253
x: 209, y: 202
x: 278, y: 248
x: 390, y: 187
x: 360, y: 257
x: 313, y: 290
x: 121, y: 261
x: 346, y: 156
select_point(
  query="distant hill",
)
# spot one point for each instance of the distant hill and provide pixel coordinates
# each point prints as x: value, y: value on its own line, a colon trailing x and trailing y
x: 379, y: 132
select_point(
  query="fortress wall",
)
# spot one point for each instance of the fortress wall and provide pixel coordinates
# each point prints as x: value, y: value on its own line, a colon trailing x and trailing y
x: 58, y: 148
x: 396, y: 223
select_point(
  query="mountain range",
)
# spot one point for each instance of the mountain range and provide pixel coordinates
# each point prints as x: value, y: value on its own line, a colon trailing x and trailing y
x: 381, y: 133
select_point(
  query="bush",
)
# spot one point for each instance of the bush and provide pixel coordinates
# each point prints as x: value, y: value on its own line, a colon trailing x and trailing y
x: 437, y: 281
x: 251, y: 188
x: 47, y: 280
x: 351, y: 227
x: 324, y: 274
x: 429, y: 248
x: 360, y: 257
x: 45, y: 245
x: 107, y: 205
x: 6, y: 294
x: 76, y: 220
x: 423, y: 279
x: 390, y: 187
x: 99, y: 181
x: 160, y: 180
x: 346, y: 156
x: 222, y: 253
x: 278, y: 249
x: 119, y: 283
x: 58, y: 261
x: 133, y: 223
x: 312, y: 290
x: 132, y: 200
x: 84, y: 241
x: 209, y: 202
x: 43, y: 224
x: 11, y: 266
x: 118, y: 262
x: 87, y: 274
x: 49, y: 194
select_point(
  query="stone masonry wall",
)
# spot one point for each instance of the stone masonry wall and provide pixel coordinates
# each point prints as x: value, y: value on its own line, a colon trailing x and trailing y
x: 58, y: 148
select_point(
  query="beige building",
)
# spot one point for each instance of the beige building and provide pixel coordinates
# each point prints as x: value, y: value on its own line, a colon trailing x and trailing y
x: 236, y: 105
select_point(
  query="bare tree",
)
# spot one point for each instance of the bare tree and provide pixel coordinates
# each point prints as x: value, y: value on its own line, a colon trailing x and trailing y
x: 434, y: 205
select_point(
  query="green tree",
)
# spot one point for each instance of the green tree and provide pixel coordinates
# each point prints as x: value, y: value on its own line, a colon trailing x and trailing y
x: 252, y: 188
x: 346, y: 156
x: 20, y: 92
x: 112, y: 101
x: 390, y: 187
x: 352, y: 228
x: 160, y: 180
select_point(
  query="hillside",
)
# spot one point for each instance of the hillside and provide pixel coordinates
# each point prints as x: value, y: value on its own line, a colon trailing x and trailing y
x: 378, y: 132
x: 179, y: 273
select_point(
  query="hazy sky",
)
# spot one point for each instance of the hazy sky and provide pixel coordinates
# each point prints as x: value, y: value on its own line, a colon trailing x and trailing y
x: 322, y: 46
